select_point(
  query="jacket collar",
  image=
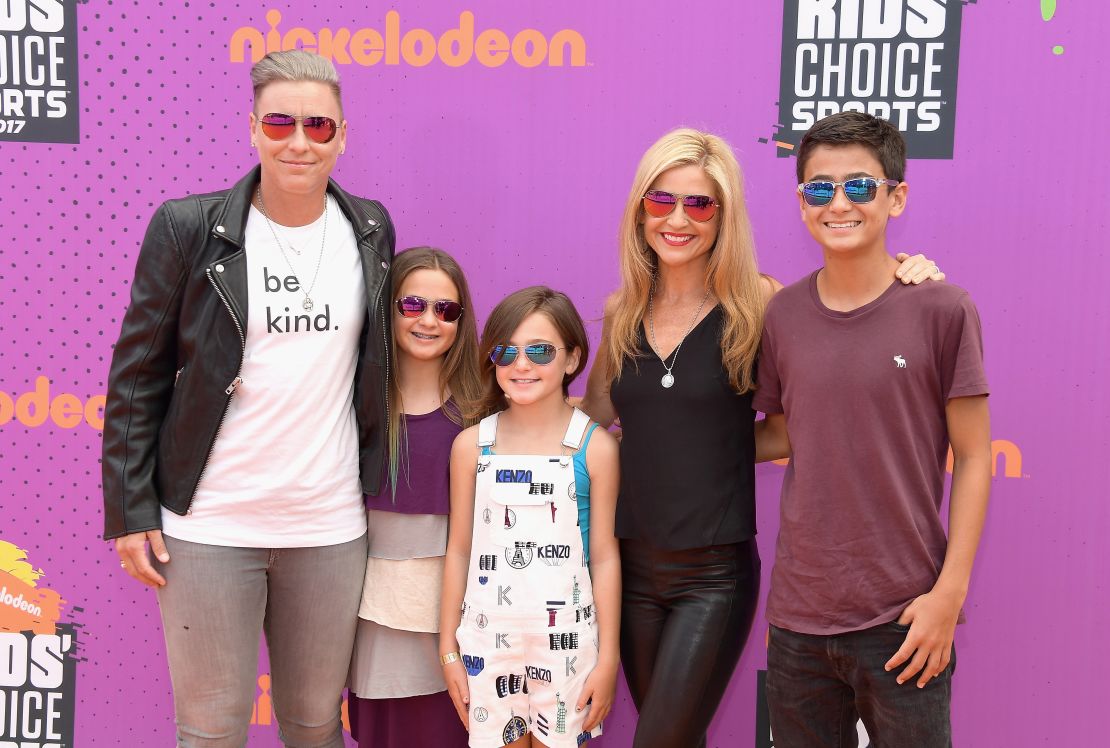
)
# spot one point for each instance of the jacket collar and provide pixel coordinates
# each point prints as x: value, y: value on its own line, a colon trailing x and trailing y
x: 231, y: 220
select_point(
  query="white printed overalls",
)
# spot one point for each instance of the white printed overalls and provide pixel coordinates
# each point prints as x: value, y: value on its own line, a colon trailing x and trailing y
x: 527, y: 636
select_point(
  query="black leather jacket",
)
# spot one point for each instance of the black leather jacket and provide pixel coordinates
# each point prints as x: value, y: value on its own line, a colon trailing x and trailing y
x: 180, y: 349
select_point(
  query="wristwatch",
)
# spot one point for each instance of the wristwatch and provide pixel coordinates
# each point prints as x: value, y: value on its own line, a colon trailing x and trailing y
x: 447, y: 659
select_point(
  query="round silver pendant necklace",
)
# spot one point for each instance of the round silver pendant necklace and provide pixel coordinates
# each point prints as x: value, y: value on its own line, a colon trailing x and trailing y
x: 307, y: 303
x: 668, y: 379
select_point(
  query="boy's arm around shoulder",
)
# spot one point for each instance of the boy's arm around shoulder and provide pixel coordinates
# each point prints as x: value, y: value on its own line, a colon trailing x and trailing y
x: 464, y: 468
x: 603, y: 464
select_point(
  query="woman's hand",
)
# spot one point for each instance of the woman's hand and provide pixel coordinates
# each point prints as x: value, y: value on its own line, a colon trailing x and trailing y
x: 917, y: 269
x: 598, y: 691
x: 457, y: 688
x: 135, y: 560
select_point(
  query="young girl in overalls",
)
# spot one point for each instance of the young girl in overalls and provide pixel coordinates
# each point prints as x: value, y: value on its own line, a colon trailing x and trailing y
x: 531, y: 591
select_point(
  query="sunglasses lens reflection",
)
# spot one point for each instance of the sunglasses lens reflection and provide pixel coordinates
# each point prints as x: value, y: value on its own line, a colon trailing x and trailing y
x: 448, y: 311
x: 320, y: 129
x: 411, y: 306
x: 543, y: 353
x: 818, y: 193
x: 699, y: 207
x: 658, y: 203
x: 503, y: 355
x: 278, y: 126
x: 861, y: 190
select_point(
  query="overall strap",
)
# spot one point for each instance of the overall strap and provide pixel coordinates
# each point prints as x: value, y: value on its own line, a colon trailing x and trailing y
x: 578, y: 423
x: 487, y: 432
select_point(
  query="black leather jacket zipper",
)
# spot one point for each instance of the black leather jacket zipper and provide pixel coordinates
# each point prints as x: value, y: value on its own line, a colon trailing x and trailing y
x: 230, y: 388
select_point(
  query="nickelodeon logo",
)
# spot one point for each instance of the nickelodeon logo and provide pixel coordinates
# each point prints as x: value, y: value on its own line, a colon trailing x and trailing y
x: 1004, y: 454
x: 36, y: 407
x: 417, y: 47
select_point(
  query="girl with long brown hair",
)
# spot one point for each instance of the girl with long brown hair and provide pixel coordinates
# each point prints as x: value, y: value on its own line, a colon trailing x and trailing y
x: 395, y: 680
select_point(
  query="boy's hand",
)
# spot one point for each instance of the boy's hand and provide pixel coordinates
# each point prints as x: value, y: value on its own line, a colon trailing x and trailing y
x: 917, y: 269
x: 600, y: 686
x: 932, y: 621
x: 457, y: 687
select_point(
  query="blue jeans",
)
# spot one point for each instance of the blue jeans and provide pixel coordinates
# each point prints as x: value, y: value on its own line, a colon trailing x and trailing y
x: 818, y: 687
x: 215, y: 605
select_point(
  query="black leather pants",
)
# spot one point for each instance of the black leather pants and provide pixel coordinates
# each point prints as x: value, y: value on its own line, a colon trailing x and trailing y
x: 685, y: 616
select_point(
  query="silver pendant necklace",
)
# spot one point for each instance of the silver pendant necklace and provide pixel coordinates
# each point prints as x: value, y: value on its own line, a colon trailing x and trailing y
x: 307, y: 303
x: 668, y: 379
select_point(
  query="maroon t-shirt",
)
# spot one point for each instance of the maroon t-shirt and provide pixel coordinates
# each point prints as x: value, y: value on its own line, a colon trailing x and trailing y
x: 864, y: 395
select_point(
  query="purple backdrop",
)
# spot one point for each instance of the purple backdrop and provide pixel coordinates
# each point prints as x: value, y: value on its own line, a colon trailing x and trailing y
x: 522, y: 173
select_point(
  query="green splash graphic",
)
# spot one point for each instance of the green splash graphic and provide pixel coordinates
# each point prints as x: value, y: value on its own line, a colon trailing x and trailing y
x: 1048, y: 10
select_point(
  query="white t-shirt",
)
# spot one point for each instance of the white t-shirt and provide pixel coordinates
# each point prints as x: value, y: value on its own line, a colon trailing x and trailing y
x: 284, y: 470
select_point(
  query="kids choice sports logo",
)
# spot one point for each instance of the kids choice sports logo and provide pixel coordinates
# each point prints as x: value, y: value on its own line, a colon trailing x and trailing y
x: 396, y: 43
x: 38, y: 71
x: 38, y: 667
x: 896, y: 59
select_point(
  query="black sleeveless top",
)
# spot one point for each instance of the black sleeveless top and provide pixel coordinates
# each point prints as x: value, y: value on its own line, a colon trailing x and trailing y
x: 687, y: 455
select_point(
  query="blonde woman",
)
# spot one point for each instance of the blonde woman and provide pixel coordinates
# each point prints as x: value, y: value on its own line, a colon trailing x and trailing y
x: 676, y: 365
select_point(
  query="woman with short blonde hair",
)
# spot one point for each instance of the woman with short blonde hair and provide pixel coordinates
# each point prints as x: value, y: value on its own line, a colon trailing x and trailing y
x: 246, y: 416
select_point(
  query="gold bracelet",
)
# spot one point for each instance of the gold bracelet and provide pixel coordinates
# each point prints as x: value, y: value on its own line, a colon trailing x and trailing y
x: 448, y: 658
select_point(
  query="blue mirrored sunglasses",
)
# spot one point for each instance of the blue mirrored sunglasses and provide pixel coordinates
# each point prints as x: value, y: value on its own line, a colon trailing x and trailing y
x: 537, y: 353
x: 858, y: 190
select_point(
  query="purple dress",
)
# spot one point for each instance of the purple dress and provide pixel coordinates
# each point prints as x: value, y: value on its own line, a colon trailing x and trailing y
x: 396, y: 682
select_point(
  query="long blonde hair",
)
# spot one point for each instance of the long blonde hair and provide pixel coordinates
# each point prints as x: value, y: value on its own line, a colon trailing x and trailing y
x: 732, y: 275
x: 459, y: 376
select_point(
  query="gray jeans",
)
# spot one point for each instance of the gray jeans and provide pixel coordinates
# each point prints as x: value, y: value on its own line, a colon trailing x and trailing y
x: 218, y: 600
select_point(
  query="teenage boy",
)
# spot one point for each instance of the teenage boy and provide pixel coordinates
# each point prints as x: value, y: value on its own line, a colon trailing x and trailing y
x: 870, y: 381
